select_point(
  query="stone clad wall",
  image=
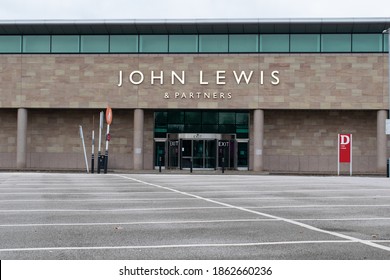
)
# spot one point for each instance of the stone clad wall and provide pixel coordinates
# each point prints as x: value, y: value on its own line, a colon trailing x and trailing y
x: 318, y: 96
x: 306, y: 141
x: 306, y: 81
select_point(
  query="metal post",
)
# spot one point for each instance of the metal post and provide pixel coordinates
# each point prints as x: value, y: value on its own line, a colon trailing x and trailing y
x: 191, y: 166
x: 93, y: 152
x: 388, y: 84
x: 85, y: 152
x: 223, y: 164
x: 100, y: 143
x: 106, y: 153
x: 159, y: 164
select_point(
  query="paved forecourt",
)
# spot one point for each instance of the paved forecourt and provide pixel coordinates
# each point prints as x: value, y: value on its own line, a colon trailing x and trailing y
x: 169, y: 216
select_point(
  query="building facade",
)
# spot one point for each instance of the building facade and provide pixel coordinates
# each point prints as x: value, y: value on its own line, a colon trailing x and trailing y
x: 259, y: 95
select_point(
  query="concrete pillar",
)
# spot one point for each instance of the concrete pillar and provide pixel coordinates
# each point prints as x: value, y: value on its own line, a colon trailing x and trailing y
x: 381, y: 140
x: 21, y: 142
x: 138, y: 150
x: 258, y: 133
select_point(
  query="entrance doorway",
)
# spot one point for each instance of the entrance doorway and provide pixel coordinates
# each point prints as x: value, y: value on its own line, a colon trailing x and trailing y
x: 199, y: 151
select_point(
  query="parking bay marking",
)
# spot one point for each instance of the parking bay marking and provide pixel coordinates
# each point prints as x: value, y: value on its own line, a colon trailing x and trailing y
x: 343, y: 236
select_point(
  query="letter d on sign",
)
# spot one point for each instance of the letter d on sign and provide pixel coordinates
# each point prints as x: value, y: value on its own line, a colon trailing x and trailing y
x: 345, y: 139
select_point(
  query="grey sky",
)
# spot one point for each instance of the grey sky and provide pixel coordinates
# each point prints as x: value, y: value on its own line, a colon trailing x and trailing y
x: 193, y: 9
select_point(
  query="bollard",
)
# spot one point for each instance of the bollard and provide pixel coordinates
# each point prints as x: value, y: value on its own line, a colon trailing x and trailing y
x: 388, y: 168
x: 191, y: 166
x: 223, y: 165
x: 159, y: 164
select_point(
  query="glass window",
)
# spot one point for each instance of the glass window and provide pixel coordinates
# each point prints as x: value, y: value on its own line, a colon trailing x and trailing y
x: 36, y: 44
x: 175, y: 128
x: 153, y: 43
x: 193, y: 117
x: 210, y: 128
x: 192, y: 128
x: 242, y: 119
x: 367, y: 42
x: 183, y: 43
x: 244, y: 43
x: 386, y: 43
x: 274, y: 43
x: 10, y: 44
x: 94, y: 44
x: 336, y: 42
x: 210, y: 118
x: 213, y: 43
x: 227, y: 128
x: 160, y: 117
x: 305, y: 42
x: 227, y: 118
x: 123, y: 43
x: 65, y: 44
x: 175, y: 117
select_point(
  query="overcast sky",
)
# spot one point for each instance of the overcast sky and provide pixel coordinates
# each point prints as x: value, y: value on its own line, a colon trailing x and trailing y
x: 192, y: 9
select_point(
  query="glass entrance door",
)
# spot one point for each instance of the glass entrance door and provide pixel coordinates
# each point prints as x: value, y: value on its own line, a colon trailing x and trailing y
x: 227, y: 154
x: 199, y: 153
x: 173, y: 153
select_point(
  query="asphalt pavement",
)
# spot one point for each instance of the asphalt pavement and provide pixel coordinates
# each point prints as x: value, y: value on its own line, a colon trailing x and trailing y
x: 188, y: 216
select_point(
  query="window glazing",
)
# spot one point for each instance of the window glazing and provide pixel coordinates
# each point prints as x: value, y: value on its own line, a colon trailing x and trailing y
x: 305, y: 42
x: 183, y: 43
x: 366, y: 42
x: 123, y: 43
x: 65, y: 44
x: 201, y: 121
x: 36, y: 44
x: 244, y: 43
x: 213, y: 43
x: 94, y: 44
x: 153, y: 43
x: 336, y: 43
x: 275, y: 43
x: 10, y: 44
x: 216, y: 43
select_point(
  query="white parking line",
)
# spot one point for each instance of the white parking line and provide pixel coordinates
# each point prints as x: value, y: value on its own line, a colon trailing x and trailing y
x: 141, y: 223
x: 343, y: 236
x: 192, y: 198
x: 187, y: 222
x: 177, y: 246
x: 192, y: 208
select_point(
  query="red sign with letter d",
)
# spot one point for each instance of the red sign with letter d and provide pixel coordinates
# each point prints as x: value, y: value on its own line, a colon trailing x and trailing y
x: 345, y: 148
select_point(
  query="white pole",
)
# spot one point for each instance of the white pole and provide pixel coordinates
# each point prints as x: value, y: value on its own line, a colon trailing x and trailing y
x: 338, y: 154
x: 85, y: 152
x: 100, y: 142
x: 350, y: 164
x: 106, y: 153
x: 100, y: 132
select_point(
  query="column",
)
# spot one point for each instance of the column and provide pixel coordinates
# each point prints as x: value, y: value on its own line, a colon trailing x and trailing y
x: 21, y: 142
x: 381, y: 140
x: 258, y: 132
x: 138, y: 139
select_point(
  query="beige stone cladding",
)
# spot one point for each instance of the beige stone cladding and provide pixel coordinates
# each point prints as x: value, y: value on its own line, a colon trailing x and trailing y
x: 8, y: 131
x: 306, y: 141
x: 306, y: 81
x: 54, y: 141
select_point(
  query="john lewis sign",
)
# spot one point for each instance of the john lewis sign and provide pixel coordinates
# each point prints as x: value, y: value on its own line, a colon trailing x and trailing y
x: 219, y: 78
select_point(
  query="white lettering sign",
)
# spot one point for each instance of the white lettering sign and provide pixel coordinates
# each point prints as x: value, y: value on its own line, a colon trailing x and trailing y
x: 220, y: 76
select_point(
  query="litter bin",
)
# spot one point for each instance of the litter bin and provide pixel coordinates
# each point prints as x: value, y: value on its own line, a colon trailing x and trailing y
x: 100, y: 163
